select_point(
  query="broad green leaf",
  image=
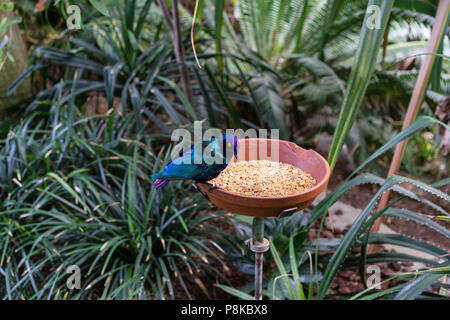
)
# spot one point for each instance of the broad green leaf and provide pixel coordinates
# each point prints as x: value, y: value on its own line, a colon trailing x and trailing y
x: 100, y: 6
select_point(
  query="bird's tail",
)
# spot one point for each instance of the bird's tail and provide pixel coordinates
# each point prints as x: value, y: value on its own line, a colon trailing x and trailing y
x: 159, y: 183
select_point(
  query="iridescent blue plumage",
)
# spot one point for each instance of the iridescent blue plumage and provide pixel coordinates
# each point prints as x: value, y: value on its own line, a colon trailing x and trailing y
x: 204, y: 161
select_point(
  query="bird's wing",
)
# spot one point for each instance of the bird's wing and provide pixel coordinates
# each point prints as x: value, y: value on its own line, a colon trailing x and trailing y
x: 179, y: 170
x: 193, y: 164
x: 210, y: 172
x: 185, y: 167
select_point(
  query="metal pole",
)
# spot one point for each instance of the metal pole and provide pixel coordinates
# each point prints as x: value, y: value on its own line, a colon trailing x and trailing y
x: 258, y: 238
x: 258, y: 275
x: 258, y: 245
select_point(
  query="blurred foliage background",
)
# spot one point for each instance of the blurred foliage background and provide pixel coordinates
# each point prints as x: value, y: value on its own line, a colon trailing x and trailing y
x: 79, y: 143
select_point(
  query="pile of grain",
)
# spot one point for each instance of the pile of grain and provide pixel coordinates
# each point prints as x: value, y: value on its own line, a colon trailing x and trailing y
x: 263, y: 178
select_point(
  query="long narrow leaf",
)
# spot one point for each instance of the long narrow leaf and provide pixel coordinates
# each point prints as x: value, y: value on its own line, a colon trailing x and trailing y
x: 363, y: 67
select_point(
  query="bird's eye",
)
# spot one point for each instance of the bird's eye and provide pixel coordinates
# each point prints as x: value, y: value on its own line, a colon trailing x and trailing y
x: 229, y: 145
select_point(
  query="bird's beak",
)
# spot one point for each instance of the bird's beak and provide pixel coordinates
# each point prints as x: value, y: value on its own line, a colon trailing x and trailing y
x: 236, y: 148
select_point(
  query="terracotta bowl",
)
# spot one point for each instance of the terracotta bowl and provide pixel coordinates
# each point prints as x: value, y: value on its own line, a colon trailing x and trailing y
x: 307, y: 160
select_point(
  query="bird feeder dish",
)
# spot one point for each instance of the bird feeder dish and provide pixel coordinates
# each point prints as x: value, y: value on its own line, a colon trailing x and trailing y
x: 288, y: 152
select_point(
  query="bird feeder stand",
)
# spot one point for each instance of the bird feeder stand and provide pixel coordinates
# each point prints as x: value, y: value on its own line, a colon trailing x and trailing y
x: 258, y: 244
x: 261, y: 207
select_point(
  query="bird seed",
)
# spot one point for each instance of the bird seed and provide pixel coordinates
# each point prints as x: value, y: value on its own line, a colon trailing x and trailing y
x: 263, y: 178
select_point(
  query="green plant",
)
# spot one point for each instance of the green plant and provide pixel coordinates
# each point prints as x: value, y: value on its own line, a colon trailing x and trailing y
x: 128, y: 58
x: 293, y: 287
x: 302, y: 53
x: 410, y: 289
x: 297, y: 293
x: 289, y: 38
x: 362, y: 70
x: 428, y: 68
x: 76, y: 190
x: 119, y: 57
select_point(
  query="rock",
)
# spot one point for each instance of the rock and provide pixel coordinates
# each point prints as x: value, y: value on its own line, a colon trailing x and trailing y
x: 347, y: 274
x: 345, y: 290
x: 395, y: 266
x: 341, y: 283
x: 327, y: 234
x: 354, y: 277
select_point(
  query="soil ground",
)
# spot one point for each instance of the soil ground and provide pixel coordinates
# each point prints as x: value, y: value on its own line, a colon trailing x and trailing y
x: 362, y: 194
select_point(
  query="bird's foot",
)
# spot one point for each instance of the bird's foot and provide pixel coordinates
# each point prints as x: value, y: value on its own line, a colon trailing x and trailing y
x: 200, y: 191
x: 211, y: 186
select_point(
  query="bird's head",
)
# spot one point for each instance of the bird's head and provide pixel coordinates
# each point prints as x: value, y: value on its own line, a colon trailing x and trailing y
x: 231, y: 146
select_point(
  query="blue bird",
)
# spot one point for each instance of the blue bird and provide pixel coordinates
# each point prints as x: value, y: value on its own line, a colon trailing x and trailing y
x: 204, y: 161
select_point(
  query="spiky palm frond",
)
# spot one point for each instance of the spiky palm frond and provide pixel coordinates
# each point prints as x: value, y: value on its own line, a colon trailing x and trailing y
x: 266, y: 25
